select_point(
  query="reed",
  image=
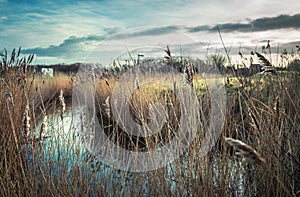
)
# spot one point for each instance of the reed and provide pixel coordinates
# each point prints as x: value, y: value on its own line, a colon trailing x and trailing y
x: 246, y: 151
x: 264, y: 112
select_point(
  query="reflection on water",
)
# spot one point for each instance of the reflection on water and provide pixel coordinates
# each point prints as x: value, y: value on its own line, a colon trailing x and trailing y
x: 63, y: 153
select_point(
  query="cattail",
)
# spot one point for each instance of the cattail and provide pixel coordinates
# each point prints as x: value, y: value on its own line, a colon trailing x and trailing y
x: 246, y: 151
x: 19, y: 52
x: 12, y: 57
x: 62, y: 103
x: 168, y: 52
x: 30, y: 58
x: 26, y: 122
x: 107, y: 107
x: 24, y: 65
x: 189, y: 74
x: 168, y: 56
x: 44, y: 127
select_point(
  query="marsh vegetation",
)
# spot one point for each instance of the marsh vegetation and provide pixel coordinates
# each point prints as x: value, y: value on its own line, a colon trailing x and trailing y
x: 42, y: 152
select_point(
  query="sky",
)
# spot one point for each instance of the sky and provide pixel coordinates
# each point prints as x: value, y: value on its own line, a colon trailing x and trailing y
x: 70, y: 31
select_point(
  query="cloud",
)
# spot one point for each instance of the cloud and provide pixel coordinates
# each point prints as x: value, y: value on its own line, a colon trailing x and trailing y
x: 71, y: 47
x: 260, y: 24
x: 279, y: 22
x: 199, y: 28
x: 39, y: 24
x: 155, y: 31
x: 70, y: 29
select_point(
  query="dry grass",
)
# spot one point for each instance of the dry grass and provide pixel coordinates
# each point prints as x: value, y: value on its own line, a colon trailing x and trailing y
x: 263, y: 116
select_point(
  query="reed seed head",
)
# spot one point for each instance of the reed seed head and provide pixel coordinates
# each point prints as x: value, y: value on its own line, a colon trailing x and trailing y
x: 44, y: 127
x: 246, y: 151
x: 62, y: 103
x: 26, y: 122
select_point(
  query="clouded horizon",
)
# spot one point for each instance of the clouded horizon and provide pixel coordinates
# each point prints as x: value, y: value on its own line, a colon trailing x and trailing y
x: 67, y: 31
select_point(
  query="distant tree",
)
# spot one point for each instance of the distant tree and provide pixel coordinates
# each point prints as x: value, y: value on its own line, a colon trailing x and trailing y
x: 217, y: 60
x: 294, y: 65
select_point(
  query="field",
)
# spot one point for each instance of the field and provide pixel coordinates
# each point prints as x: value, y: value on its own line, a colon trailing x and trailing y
x: 256, y: 154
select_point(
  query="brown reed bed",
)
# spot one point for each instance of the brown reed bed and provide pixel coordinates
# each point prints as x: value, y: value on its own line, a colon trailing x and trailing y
x: 262, y: 122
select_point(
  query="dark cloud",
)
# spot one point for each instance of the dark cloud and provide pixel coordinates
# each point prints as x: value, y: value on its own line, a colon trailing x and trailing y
x: 279, y: 22
x: 69, y: 48
x: 199, y: 28
x: 148, y: 32
x: 260, y: 24
x: 229, y: 27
